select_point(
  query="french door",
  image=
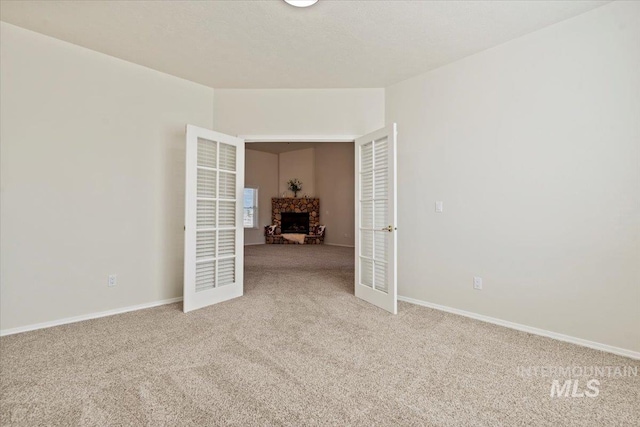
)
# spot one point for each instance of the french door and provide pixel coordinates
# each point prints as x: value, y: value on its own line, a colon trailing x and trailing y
x: 376, y: 246
x: 214, y: 238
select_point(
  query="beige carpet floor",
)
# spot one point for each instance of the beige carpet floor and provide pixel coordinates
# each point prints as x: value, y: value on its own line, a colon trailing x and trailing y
x: 298, y: 349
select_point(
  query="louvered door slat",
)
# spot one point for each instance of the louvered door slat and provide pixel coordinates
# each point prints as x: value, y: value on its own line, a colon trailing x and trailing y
x: 207, y: 183
x: 206, y: 214
x: 207, y: 153
x: 205, y: 244
x: 226, y: 275
x: 226, y: 242
x: 205, y: 274
x: 227, y: 157
x: 227, y: 215
x: 227, y: 185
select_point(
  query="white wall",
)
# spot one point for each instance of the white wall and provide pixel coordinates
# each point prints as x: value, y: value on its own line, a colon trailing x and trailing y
x: 92, y: 172
x: 534, y: 148
x: 261, y: 171
x: 298, y: 111
x: 334, y: 165
x: 297, y: 164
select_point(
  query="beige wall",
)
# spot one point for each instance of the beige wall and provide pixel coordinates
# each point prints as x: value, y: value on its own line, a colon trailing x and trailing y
x: 297, y: 164
x: 534, y: 148
x: 92, y: 173
x: 334, y: 164
x: 298, y: 111
x: 261, y: 172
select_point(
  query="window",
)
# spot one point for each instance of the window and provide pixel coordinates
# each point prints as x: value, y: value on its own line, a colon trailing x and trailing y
x: 250, y: 214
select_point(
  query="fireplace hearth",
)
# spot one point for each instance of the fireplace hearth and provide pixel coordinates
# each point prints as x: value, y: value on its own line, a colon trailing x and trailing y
x: 295, y: 222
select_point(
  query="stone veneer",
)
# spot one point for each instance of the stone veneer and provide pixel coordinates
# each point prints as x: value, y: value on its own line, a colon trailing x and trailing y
x: 290, y: 204
x: 279, y: 240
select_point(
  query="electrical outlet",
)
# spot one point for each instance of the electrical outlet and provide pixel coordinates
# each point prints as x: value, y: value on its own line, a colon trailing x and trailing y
x: 113, y: 279
x: 477, y: 283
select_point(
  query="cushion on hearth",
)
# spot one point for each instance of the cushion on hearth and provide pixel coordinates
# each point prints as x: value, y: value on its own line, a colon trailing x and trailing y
x: 270, y: 230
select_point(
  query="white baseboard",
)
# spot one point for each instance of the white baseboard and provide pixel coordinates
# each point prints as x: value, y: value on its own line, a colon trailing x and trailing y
x: 342, y: 246
x: 512, y: 325
x: 524, y: 328
x: 97, y: 315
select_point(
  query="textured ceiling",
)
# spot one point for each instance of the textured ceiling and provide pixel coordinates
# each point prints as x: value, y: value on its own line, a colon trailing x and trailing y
x: 269, y: 44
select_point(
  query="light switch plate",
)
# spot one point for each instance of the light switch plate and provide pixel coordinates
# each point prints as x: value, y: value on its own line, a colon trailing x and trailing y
x: 439, y: 207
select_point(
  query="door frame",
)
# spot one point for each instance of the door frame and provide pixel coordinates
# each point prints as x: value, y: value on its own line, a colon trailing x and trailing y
x: 253, y: 138
x: 248, y: 139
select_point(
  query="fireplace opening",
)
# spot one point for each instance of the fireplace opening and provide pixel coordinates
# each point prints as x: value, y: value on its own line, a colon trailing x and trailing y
x: 295, y: 222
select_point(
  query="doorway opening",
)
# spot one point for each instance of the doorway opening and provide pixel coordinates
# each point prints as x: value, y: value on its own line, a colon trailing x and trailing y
x: 322, y: 207
x: 307, y: 235
x: 222, y: 211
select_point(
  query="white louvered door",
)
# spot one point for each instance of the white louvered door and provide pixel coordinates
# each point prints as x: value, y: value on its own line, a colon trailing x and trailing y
x: 376, y: 247
x: 214, y: 238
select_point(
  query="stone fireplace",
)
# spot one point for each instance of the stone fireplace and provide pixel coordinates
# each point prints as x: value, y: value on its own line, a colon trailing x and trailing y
x: 285, y: 205
x: 296, y: 216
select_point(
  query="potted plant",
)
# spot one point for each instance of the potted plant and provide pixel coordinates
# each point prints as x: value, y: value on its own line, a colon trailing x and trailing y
x: 294, y: 185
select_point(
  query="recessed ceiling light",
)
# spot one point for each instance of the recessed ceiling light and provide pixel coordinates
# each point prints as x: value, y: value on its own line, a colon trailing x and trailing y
x: 301, y: 3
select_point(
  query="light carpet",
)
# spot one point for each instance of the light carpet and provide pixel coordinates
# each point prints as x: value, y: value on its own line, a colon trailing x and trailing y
x: 298, y: 349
